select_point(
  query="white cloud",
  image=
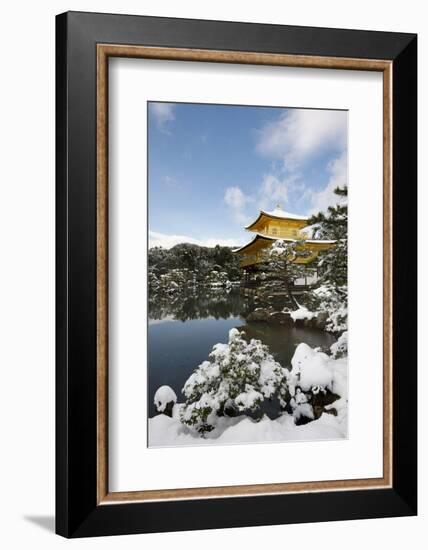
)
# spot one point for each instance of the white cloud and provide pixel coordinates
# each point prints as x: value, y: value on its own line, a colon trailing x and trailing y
x: 273, y: 189
x: 299, y: 134
x: 163, y: 114
x: 294, y: 140
x: 168, y: 241
x: 236, y: 200
x: 321, y: 200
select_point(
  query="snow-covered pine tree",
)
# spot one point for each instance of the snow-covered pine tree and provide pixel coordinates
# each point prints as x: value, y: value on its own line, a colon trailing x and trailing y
x: 332, y: 294
x: 237, y: 378
x: 333, y: 263
x: 280, y: 270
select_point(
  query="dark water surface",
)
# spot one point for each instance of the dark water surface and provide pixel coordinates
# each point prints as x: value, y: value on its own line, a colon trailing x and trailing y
x: 183, y: 330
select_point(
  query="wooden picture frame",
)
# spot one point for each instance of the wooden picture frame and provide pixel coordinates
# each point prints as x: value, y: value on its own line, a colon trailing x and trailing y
x: 84, y: 505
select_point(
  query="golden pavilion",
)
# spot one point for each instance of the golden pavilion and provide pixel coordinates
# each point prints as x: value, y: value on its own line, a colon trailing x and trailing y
x: 278, y: 224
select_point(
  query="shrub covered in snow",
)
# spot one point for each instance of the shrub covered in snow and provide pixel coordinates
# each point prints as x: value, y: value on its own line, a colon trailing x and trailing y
x: 173, y: 281
x: 237, y: 378
x: 182, y: 277
x: 309, y: 369
x: 217, y: 279
x: 165, y: 399
x: 340, y: 348
x: 317, y: 383
x: 303, y: 411
x: 302, y: 313
x: 333, y: 300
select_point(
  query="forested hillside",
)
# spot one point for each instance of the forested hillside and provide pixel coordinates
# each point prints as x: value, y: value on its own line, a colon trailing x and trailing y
x: 199, y: 260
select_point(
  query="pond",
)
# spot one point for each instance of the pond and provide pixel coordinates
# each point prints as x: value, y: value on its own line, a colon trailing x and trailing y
x: 182, y: 331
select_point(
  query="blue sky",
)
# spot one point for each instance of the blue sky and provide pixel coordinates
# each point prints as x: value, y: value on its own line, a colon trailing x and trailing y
x: 213, y: 167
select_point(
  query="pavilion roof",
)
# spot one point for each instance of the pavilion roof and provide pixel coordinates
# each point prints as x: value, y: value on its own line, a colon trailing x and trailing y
x: 266, y: 238
x: 279, y: 214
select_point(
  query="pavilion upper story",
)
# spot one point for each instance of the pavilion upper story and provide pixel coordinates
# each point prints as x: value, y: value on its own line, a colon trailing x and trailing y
x: 278, y: 224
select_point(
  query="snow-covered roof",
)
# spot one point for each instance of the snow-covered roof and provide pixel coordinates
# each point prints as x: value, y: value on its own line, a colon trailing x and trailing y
x: 277, y: 213
x: 287, y: 239
x: 320, y: 241
x: 280, y: 213
x: 254, y: 239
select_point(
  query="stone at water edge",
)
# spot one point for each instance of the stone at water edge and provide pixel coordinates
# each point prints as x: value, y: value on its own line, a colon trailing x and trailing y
x: 311, y: 323
x: 321, y: 399
x: 259, y: 314
x: 230, y: 409
x: 321, y: 319
x: 281, y: 318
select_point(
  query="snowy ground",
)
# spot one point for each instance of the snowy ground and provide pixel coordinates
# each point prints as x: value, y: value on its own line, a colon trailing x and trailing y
x: 169, y: 432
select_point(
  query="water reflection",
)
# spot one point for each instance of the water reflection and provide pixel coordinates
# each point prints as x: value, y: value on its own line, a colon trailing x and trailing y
x: 199, y: 303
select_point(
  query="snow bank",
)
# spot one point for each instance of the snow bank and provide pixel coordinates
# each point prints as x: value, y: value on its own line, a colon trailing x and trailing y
x: 340, y: 347
x: 163, y: 396
x: 314, y: 371
x: 302, y: 313
x: 170, y: 432
x: 301, y: 406
x: 334, y: 301
x: 310, y: 368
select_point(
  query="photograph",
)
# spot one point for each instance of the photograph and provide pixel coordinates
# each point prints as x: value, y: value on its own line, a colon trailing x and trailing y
x: 247, y: 274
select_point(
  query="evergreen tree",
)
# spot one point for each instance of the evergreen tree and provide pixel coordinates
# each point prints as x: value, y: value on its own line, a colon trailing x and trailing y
x: 237, y: 378
x: 280, y: 269
x: 333, y: 263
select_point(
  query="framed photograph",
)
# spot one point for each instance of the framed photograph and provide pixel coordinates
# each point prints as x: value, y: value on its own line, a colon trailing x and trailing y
x: 236, y: 274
